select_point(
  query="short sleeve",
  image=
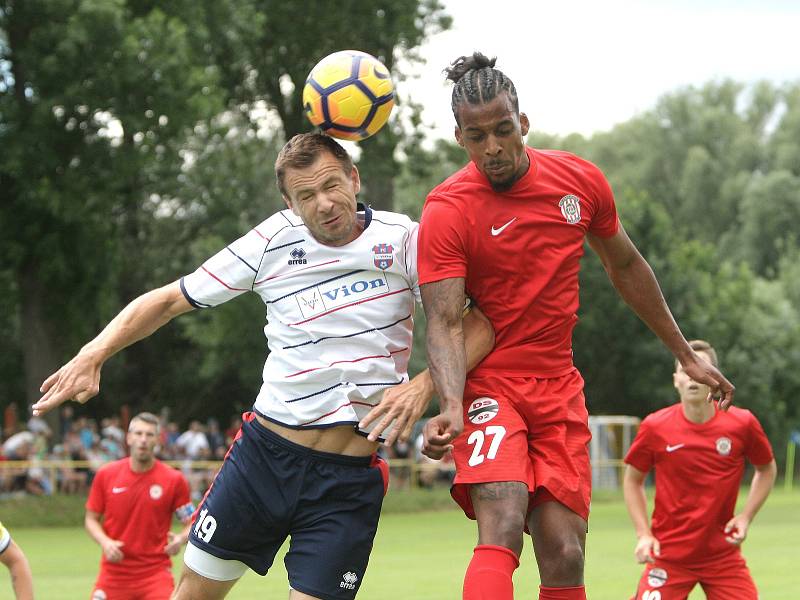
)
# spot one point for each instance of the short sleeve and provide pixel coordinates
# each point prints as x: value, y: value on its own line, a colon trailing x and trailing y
x: 605, y: 222
x: 96, y: 502
x: 759, y: 450
x: 442, y: 247
x: 411, y: 261
x: 5, y: 538
x: 640, y: 455
x: 226, y: 275
x: 181, y: 501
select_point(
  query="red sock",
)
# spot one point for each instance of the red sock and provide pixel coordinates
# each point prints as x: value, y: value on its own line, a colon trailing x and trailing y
x: 562, y: 593
x: 489, y: 574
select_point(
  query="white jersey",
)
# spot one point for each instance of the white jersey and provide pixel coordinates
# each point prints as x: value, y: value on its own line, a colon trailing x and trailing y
x: 339, y: 318
x: 5, y: 538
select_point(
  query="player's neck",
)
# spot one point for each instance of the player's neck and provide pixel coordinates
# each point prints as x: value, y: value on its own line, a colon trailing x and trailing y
x: 141, y: 466
x: 698, y: 412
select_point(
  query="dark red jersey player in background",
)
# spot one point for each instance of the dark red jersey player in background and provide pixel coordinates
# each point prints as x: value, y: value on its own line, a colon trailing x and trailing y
x: 699, y: 454
x: 509, y: 229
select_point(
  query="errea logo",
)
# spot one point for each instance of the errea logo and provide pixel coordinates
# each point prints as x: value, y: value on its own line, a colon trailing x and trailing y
x: 298, y: 257
x: 349, y: 581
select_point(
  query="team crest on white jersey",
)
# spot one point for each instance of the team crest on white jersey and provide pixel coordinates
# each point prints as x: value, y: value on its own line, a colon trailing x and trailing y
x: 656, y: 577
x: 482, y: 410
x: 384, y: 256
x: 570, y: 206
x: 349, y: 580
x: 724, y: 446
x: 156, y: 491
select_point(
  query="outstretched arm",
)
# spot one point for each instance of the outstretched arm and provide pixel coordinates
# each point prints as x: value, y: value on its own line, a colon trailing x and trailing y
x: 20, y: 571
x: 443, y: 301
x: 79, y: 379
x: 760, y: 487
x: 404, y: 404
x: 634, y: 280
x: 647, y: 547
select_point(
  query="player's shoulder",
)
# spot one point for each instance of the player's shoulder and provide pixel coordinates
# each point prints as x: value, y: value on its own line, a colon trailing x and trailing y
x: 661, y: 416
x: 168, y: 471
x: 567, y: 160
x: 391, y: 218
x: 457, y: 186
x: 113, y: 467
x: 282, y: 222
x: 739, y: 415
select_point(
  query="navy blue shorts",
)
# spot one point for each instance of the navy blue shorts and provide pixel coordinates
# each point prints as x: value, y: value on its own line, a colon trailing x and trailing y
x: 269, y: 489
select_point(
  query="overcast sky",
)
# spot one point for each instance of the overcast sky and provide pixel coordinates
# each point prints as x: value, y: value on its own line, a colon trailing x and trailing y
x: 584, y: 65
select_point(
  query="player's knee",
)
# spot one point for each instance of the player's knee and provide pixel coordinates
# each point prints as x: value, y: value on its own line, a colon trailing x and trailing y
x: 562, y: 564
x: 503, y: 528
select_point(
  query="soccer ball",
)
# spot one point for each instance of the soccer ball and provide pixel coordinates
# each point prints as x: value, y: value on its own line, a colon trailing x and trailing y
x: 349, y: 95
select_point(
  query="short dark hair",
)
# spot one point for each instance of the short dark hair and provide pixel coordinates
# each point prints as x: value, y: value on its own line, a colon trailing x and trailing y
x: 477, y: 82
x: 146, y: 417
x: 702, y: 346
x: 303, y: 150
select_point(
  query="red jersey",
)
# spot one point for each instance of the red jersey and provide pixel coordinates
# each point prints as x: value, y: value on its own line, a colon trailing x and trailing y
x: 519, y: 252
x: 137, y: 508
x: 699, y: 468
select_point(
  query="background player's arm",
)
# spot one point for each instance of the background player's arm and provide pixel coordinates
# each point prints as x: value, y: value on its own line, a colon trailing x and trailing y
x: 406, y: 403
x: 443, y: 302
x: 94, y: 526
x: 79, y: 379
x: 634, y: 280
x: 19, y: 569
x: 760, y: 487
x: 647, y: 546
x: 176, y: 541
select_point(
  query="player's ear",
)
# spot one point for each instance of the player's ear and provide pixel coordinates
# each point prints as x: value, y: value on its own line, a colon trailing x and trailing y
x: 459, y: 137
x: 356, y: 179
x: 524, y: 124
x: 290, y: 205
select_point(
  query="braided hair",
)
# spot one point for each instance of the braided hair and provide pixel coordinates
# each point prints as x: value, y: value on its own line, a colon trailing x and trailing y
x: 478, y: 82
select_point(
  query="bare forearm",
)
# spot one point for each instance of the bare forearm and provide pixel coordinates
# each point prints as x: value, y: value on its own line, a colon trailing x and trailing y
x: 20, y: 571
x: 443, y: 302
x: 95, y: 530
x: 760, y: 487
x: 638, y: 286
x: 137, y: 320
x: 636, y: 502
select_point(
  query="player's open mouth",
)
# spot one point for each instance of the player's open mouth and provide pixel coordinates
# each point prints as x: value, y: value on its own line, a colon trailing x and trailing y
x: 332, y: 221
x: 496, y: 169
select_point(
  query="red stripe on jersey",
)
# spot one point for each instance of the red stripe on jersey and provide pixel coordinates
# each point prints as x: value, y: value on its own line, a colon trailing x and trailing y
x: 223, y: 283
x: 337, y: 410
x: 333, y: 310
x: 261, y: 234
x: 330, y: 262
x: 355, y: 360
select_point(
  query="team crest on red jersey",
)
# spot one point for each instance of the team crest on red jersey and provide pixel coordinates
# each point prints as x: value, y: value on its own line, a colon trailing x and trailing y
x: 483, y: 410
x: 724, y: 446
x: 570, y: 206
x: 384, y: 257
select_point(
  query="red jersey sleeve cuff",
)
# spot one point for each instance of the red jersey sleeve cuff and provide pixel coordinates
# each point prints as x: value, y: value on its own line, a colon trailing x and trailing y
x: 440, y: 275
x: 606, y: 232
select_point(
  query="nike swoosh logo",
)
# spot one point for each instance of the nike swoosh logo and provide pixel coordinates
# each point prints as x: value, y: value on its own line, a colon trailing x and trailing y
x: 675, y: 447
x: 500, y: 230
x: 118, y: 490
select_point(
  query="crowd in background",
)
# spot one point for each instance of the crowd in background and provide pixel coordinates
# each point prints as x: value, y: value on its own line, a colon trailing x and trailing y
x: 86, y: 444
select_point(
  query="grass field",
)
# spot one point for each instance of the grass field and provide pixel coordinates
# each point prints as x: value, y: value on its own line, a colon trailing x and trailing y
x: 422, y: 556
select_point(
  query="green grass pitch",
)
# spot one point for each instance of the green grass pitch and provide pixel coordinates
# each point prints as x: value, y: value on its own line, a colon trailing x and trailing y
x: 422, y: 556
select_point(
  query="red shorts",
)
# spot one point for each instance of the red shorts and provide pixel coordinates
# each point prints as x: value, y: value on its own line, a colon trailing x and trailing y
x: 721, y: 579
x: 157, y: 585
x: 530, y: 430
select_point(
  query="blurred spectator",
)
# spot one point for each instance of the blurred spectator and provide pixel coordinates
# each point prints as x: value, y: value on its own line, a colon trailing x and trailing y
x: 193, y: 442
x: 110, y: 429
x: 216, y: 441
x: 232, y: 430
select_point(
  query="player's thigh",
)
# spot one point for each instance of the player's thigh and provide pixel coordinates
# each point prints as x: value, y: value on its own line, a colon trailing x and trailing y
x: 665, y: 582
x: 334, y: 528
x: 554, y: 526
x: 494, y: 444
x: 193, y: 586
x: 729, y: 580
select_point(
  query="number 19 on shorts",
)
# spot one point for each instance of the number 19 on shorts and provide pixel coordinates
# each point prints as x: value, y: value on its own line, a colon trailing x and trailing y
x: 494, y: 434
